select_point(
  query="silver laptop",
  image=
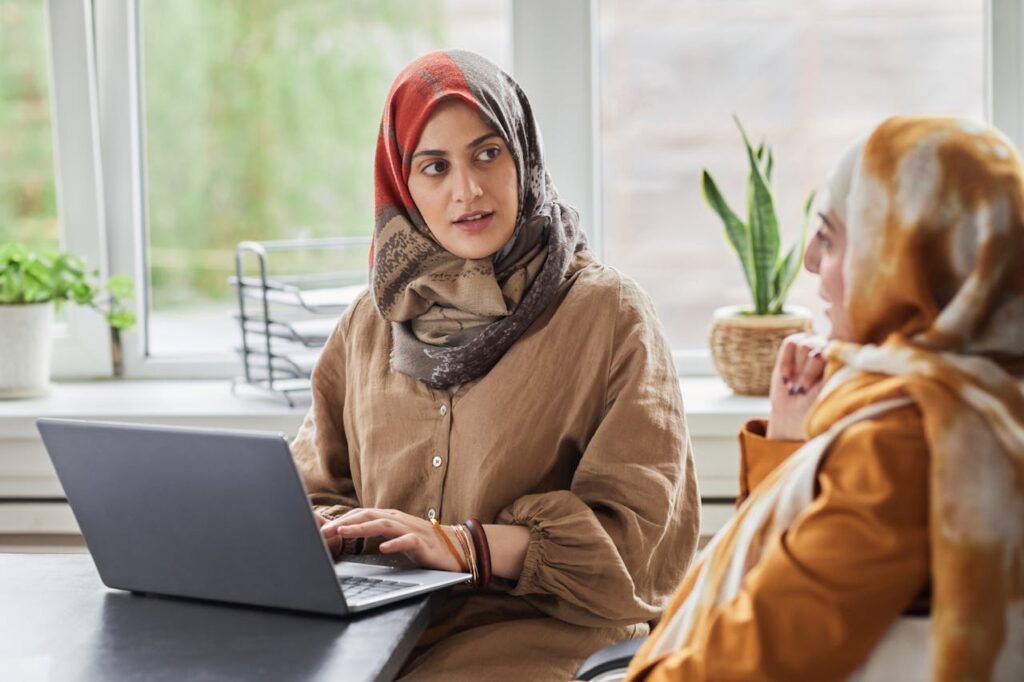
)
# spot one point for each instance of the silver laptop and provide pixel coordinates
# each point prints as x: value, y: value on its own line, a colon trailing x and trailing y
x: 213, y: 514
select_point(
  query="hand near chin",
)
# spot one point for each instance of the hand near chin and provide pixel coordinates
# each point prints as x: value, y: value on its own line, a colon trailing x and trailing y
x: 796, y: 382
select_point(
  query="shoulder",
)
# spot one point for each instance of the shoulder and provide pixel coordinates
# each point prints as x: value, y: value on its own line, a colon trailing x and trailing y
x: 900, y: 430
x: 603, y: 287
x: 615, y: 312
x: 362, y: 311
x: 359, y: 320
x: 357, y: 338
x: 886, y: 457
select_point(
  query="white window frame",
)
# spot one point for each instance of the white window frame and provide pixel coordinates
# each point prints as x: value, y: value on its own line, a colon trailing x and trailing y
x: 555, y: 57
x: 1004, y: 67
x: 82, y: 344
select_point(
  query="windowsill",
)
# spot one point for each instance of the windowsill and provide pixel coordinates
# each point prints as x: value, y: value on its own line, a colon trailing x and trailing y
x: 208, y: 403
x: 711, y: 408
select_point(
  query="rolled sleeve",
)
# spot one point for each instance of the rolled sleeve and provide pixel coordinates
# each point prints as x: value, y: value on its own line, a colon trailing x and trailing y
x: 760, y: 455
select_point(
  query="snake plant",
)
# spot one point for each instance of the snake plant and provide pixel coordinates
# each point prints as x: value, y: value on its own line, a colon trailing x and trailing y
x: 756, y: 240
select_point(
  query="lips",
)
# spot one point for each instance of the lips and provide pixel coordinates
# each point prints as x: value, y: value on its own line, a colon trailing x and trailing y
x: 474, y: 221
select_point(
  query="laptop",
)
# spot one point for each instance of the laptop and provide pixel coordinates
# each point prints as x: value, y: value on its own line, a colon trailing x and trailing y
x: 216, y: 515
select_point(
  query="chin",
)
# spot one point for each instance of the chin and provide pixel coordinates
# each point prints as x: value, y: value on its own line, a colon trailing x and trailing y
x: 475, y: 247
x: 473, y: 252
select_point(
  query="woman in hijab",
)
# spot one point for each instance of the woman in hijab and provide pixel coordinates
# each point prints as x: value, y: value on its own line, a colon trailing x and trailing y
x: 910, y: 489
x: 499, y: 402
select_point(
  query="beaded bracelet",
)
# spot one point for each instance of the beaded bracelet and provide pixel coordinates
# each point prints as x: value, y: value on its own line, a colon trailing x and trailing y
x: 482, y: 548
x: 451, y: 548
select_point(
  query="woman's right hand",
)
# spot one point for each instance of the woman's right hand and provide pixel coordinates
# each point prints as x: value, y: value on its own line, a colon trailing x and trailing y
x: 796, y: 382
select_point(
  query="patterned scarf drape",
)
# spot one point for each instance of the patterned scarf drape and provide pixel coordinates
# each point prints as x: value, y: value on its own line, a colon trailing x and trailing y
x: 943, y: 310
x: 454, y: 318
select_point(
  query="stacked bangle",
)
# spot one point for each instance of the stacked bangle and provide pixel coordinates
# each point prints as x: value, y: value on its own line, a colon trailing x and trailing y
x: 482, y: 550
x: 451, y: 548
x: 467, y: 546
x: 476, y: 552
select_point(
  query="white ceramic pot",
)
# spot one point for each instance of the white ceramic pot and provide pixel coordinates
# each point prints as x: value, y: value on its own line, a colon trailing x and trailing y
x: 26, y: 345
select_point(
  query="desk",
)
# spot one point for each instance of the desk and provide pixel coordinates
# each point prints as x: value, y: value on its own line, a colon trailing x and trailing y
x: 59, y: 622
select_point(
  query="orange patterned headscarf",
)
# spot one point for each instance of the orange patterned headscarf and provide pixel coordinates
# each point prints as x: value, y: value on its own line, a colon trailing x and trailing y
x: 934, y: 275
x: 943, y: 200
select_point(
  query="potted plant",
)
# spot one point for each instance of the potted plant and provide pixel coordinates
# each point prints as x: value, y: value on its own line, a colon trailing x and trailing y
x: 32, y: 285
x: 745, y: 338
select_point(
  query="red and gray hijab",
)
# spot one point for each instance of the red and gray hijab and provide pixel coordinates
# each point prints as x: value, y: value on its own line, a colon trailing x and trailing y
x: 454, y: 318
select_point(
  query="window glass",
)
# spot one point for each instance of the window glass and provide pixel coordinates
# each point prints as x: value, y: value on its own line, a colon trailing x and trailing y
x: 807, y: 76
x: 28, y: 197
x: 260, y: 123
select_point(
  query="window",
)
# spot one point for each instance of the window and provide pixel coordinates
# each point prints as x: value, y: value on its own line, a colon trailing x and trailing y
x: 807, y: 76
x: 49, y: 157
x: 28, y: 195
x: 224, y: 120
x: 264, y: 128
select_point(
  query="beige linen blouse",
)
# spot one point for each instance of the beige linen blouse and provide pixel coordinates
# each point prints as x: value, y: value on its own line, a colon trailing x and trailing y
x: 577, y: 433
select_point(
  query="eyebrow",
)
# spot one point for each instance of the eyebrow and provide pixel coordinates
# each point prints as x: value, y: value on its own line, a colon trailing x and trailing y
x: 441, y: 152
x: 827, y: 222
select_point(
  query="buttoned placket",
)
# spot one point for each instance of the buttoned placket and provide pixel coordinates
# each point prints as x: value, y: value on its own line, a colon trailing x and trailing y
x: 438, y: 457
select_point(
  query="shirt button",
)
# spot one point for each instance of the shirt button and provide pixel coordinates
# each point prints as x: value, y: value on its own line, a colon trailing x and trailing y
x: 444, y: 410
x: 431, y: 513
x: 436, y: 461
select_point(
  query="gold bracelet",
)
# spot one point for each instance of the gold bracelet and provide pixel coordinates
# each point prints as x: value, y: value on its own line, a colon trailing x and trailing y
x: 467, y: 546
x: 451, y: 548
x: 471, y: 553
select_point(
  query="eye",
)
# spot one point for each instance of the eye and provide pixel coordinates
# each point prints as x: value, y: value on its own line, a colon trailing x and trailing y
x: 435, y: 168
x: 822, y: 240
x: 488, y: 154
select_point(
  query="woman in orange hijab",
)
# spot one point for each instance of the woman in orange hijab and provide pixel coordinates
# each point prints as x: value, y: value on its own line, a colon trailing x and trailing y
x: 910, y: 489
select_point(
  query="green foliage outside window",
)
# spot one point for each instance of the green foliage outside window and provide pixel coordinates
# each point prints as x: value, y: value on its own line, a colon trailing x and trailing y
x: 260, y: 123
x: 28, y: 198
x: 261, y: 120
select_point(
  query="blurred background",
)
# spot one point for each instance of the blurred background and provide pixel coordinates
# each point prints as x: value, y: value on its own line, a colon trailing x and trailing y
x: 260, y: 119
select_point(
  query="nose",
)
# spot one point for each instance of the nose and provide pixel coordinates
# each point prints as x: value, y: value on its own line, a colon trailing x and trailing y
x: 812, y: 256
x: 466, y: 185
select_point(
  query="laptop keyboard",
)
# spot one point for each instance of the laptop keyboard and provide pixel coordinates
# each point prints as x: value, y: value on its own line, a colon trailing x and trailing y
x: 361, y: 589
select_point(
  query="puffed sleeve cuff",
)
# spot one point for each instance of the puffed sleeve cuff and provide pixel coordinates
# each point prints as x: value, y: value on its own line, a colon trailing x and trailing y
x: 570, y: 558
x: 529, y: 513
x: 527, y: 583
x: 759, y: 455
x: 331, y: 512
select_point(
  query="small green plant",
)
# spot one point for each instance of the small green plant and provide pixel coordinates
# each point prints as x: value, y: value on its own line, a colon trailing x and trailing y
x: 756, y: 241
x: 41, y: 277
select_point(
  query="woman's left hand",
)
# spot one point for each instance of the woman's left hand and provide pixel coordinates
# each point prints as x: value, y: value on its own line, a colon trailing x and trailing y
x: 411, y: 535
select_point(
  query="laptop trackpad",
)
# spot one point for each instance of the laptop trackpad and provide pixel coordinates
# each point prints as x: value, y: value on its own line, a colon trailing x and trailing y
x: 374, y: 565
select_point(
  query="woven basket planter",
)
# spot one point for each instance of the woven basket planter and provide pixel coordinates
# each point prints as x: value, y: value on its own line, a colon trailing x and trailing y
x: 743, y: 347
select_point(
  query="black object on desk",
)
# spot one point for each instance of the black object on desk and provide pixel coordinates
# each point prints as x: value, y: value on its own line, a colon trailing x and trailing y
x: 60, y: 623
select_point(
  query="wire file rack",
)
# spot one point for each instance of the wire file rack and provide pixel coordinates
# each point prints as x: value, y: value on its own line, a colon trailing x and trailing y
x: 284, y: 320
